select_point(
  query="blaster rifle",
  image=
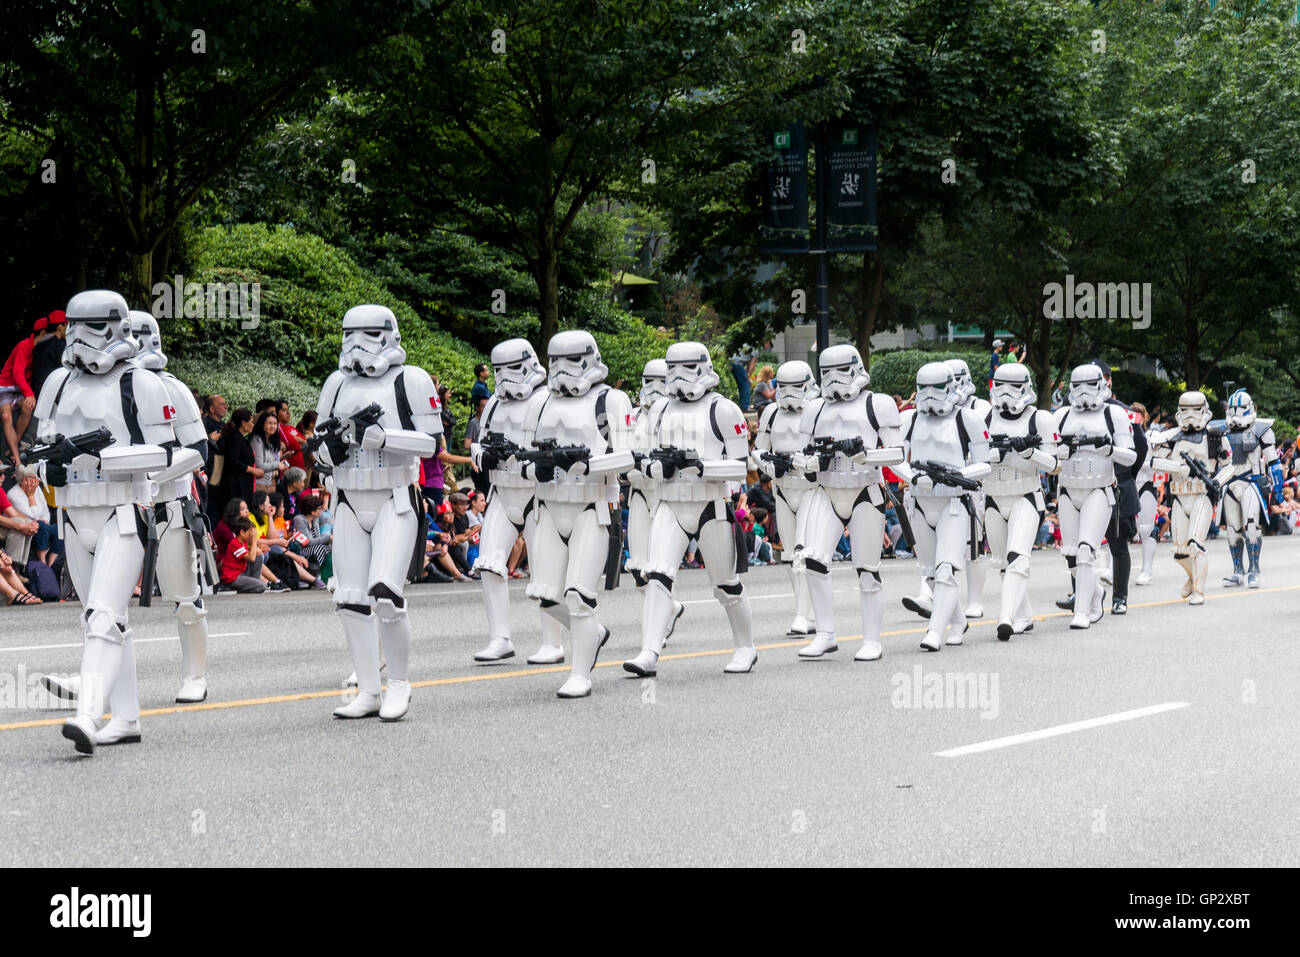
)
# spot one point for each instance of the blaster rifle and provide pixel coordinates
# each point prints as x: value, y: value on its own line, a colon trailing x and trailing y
x: 674, y: 460
x: 547, y: 455
x: 496, y: 449
x: 1076, y: 442
x: 61, y: 450
x: 1015, y: 443
x: 782, y: 462
x: 1200, y: 471
x: 941, y: 474
x: 330, y: 432
x: 824, y: 448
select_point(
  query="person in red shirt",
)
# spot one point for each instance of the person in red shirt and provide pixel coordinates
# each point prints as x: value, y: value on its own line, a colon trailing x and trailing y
x: 290, y: 438
x: 16, y: 390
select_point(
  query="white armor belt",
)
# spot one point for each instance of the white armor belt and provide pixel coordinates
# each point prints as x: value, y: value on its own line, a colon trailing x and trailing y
x: 1016, y: 483
x: 176, y: 488
x: 370, y: 479
x: 856, y: 478
x: 579, y: 491
x: 793, y: 483
x: 504, y: 478
x: 1186, y: 487
x: 690, y: 489
x: 86, y: 489
x: 1090, y: 481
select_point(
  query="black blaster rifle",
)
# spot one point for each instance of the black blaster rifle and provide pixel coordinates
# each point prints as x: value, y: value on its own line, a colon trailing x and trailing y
x: 782, y: 462
x: 1076, y: 442
x: 673, y: 460
x: 496, y: 449
x: 547, y: 455
x: 330, y: 432
x: 824, y: 447
x: 1015, y: 443
x: 941, y: 474
x: 61, y: 450
x: 1201, y: 471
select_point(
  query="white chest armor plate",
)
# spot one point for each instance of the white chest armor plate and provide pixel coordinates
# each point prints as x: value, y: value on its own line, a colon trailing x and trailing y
x: 847, y: 420
x: 1086, y: 467
x: 86, y: 403
x: 687, y: 426
x: 373, y: 469
x: 1005, y: 480
x: 785, y: 435
x: 571, y: 420
x: 516, y: 419
x: 1198, y: 448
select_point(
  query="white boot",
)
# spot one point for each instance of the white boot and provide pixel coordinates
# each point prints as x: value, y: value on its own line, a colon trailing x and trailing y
x: 742, y: 661
x: 498, y: 649
x: 933, y: 640
x: 1144, y: 578
x: 678, y: 610
x: 823, y: 643
x: 575, y: 687
x: 547, y: 655
x: 870, y: 651
x: 644, y: 665
x: 956, y: 636
x: 365, y: 705
x: 193, y: 690
x: 976, y: 569
x: 799, y: 628
x: 396, y: 700
x: 118, y: 731
x: 81, y: 732
x: 65, y: 690
x: 923, y: 602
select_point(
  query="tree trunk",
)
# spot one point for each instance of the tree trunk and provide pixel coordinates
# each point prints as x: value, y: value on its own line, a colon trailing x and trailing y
x: 548, y: 281
x: 1191, y: 357
x: 867, y: 323
x: 1038, y: 356
x: 142, y: 191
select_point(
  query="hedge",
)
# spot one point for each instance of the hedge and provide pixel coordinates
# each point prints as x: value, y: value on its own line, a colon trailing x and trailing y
x: 894, y: 373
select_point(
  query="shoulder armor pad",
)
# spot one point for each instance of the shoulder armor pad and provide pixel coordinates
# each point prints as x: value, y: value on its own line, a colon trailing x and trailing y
x: 329, y: 393
x: 886, y: 410
x: 426, y: 408
x: 45, y: 401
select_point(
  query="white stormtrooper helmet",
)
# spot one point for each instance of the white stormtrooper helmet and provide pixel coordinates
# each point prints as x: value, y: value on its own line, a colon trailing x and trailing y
x: 690, y: 371
x: 145, y: 328
x: 654, y: 384
x: 1241, y: 410
x: 1193, y: 413
x: 843, y: 375
x: 1088, y: 388
x: 574, y: 362
x: 1013, y: 388
x: 371, y: 343
x: 795, y: 385
x: 936, y: 389
x: 99, y: 332
x: 961, y: 375
x: 517, y: 369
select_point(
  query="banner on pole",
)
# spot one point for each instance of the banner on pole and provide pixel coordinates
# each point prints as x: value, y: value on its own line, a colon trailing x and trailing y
x: 785, y: 199
x: 850, y: 188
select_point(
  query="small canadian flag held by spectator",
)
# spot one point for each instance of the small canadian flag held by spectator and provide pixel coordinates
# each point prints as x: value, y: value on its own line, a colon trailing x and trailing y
x: 301, y: 538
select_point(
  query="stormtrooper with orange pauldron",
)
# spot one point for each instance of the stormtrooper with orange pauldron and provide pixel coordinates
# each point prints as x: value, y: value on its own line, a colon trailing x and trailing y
x: 376, y: 419
x: 508, y: 425
x: 699, y: 444
x: 1094, y: 437
x: 947, y: 450
x: 779, y: 439
x: 582, y: 443
x: 850, y: 433
x: 1023, y: 443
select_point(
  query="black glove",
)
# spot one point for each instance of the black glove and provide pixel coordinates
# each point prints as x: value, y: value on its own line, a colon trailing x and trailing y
x: 338, y: 449
x: 67, y: 450
x: 544, y: 471
x: 488, y: 460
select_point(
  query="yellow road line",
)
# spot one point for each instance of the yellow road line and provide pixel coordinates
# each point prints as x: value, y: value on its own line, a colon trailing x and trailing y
x: 495, y: 675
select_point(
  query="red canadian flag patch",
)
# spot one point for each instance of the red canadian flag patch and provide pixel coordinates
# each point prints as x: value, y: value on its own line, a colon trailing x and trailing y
x: 740, y: 429
x: 433, y: 401
x: 627, y: 419
x: 169, y: 412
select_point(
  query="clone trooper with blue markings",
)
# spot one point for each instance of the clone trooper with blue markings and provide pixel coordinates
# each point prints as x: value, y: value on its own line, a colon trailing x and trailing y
x: 1255, y: 467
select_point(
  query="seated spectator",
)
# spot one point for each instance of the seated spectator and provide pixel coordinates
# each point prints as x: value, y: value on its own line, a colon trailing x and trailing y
x: 760, y: 494
x: 309, y: 538
x: 11, y: 586
x: 761, y: 551
x: 291, y: 486
x: 241, y: 566
x: 477, y: 507
x: 1285, y: 515
x: 440, y: 566
x: 461, y: 530
x: 20, y: 530
x: 274, y: 540
x: 25, y: 502
x: 224, y: 530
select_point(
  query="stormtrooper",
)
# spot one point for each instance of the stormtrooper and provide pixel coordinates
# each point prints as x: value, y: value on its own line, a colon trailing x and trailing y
x: 976, y: 568
x: 1094, y: 436
x: 582, y: 443
x: 508, y: 424
x: 1190, y: 454
x: 185, y: 566
x: 699, y: 444
x: 643, y: 492
x: 104, y: 484
x: 1023, y: 442
x: 946, y: 445
x: 780, y: 438
x: 1254, y: 463
x: 850, y: 433
x: 377, y: 418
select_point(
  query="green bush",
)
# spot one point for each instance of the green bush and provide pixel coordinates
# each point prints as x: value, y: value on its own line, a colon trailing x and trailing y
x: 307, y: 286
x: 894, y: 373
x: 244, y: 381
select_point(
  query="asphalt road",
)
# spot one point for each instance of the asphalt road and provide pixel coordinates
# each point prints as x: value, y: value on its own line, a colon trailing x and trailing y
x: 828, y: 762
